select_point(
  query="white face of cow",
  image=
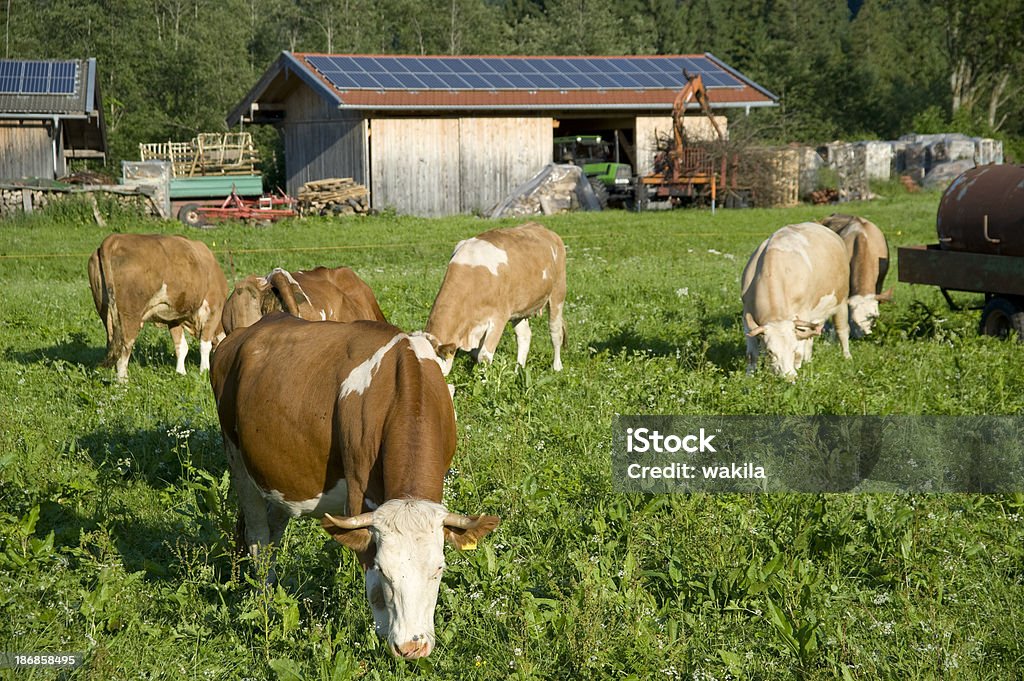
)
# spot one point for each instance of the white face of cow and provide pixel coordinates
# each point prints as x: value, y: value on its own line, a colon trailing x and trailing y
x: 863, y: 313
x: 403, y: 583
x: 406, y: 542
x: 781, y: 346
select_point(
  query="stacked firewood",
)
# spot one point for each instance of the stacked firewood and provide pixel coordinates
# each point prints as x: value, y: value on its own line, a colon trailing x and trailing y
x: 333, y: 197
x: 823, y: 196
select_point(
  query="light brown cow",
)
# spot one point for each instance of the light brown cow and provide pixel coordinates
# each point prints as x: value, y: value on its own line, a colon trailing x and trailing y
x: 795, y: 280
x: 337, y: 295
x: 499, y: 276
x: 325, y: 419
x: 168, y: 280
x: 869, y: 263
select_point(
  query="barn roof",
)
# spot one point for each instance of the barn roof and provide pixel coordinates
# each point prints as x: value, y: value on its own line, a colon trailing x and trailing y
x: 65, y: 90
x: 495, y: 83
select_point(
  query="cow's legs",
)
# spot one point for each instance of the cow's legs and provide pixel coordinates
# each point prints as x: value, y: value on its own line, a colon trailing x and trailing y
x: 753, y: 349
x: 205, y: 347
x: 180, y: 346
x: 489, y: 343
x: 556, y: 326
x: 252, y: 505
x: 277, y: 520
x: 523, y: 335
x: 124, y: 335
x: 841, y: 319
x: 804, y: 351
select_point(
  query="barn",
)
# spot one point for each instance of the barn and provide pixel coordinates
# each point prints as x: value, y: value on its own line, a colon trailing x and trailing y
x: 442, y: 135
x: 50, y: 112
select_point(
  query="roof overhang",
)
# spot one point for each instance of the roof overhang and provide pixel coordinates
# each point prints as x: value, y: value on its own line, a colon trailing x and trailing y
x: 279, y: 80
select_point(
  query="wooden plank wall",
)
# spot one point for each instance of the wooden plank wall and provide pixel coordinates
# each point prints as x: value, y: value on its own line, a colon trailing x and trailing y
x: 322, y: 142
x: 26, y: 150
x: 445, y: 166
x: 497, y: 154
x: 415, y: 165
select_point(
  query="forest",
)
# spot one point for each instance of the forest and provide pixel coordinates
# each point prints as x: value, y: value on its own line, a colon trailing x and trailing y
x: 875, y: 69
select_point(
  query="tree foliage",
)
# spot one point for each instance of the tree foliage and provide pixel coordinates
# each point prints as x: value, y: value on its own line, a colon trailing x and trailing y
x: 172, y: 68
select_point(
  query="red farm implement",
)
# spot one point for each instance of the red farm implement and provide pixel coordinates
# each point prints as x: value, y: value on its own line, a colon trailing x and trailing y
x: 266, y: 208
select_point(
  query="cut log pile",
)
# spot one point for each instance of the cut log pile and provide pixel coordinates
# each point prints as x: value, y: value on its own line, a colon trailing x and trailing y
x: 333, y: 197
x: 823, y: 196
x: 555, y: 189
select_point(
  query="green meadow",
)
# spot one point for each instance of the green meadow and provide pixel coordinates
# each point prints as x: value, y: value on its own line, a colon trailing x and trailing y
x: 116, y: 516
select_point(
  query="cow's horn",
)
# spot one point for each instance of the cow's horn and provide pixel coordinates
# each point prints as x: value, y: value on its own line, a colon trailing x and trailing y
x: 463, y: 522
x: 808, y: 325
x: 754, y: 328
x: 354, y: 522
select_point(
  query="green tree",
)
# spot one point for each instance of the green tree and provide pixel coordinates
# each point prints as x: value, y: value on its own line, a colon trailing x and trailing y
x: 985, y: 45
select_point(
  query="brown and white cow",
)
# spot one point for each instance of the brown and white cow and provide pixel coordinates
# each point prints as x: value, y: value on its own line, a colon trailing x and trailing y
x: 169, y: 280
x: 337, y: 295
x: 499, y: 276
x: 350, y: 420
x: 795, y: 280
x: 869, y: 263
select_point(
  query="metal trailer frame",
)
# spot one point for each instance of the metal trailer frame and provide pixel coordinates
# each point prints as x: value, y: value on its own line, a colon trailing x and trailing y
x: 999, y: 277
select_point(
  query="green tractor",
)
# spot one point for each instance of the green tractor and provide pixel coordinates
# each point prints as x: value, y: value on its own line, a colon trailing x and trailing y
x: 613, y: 182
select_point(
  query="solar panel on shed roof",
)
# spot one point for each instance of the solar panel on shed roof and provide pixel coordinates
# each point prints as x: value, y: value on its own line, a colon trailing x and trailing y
x: 38, y: 77
x: 530, y: 73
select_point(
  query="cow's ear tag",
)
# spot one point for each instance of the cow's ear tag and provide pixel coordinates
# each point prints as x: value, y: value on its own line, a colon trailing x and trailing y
x: 469, y: 547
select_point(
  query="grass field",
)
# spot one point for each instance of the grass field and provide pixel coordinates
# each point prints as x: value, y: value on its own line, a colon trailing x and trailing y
x: 116, y: 517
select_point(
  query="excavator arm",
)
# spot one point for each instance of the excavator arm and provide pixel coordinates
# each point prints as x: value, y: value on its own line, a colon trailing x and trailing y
x: 693, y: 90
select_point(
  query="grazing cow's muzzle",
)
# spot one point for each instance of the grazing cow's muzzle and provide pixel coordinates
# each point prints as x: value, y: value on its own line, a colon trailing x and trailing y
x: 408, y: 537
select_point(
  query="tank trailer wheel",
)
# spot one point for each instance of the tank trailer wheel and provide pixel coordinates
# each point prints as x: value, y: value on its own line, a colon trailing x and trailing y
x: 1002, y: 318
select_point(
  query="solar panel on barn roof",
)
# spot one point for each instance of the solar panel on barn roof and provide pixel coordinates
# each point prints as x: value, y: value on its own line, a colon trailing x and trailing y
x: 38, y: 77
x: 527, y: 73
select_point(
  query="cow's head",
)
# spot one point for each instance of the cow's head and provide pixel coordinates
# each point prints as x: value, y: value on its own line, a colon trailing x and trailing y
x: 246, y: 304
x: 401, y: 548
x: 255, y: 296
x: 864, y: 312
x: 786, y: 344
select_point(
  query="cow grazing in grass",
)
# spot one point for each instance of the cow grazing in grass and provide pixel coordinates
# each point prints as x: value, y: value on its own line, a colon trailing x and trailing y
x: 337, y: 295
x: 499, y: 276
x: 795, y: 280
x: 353, y: 424
x: 869, y: 263
x: 169, y: 280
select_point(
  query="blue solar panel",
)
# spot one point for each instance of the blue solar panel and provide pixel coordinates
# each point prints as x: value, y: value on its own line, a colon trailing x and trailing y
x: 491, y: 73
x: 38, y: 77
x: 432, y: 81
x: 10, y: 76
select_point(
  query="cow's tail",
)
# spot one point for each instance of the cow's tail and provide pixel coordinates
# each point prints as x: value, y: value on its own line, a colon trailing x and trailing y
x: 104, y: 295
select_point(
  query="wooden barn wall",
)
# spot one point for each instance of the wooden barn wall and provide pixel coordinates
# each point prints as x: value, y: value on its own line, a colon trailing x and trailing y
x: 415, y: 165
x: 497, y: 154
x: 321, y: 142
x: 445, y: 166
x: 26, y: 150
x: 649, y: 128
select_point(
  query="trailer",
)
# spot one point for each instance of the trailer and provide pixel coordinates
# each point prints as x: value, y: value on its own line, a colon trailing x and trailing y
x: 267, y: 208
x: 980, y: 224
x: 207, y: 169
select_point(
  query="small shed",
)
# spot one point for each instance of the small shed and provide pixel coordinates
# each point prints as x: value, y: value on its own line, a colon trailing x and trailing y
x: 50, y: 111
x: 441, y: 135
